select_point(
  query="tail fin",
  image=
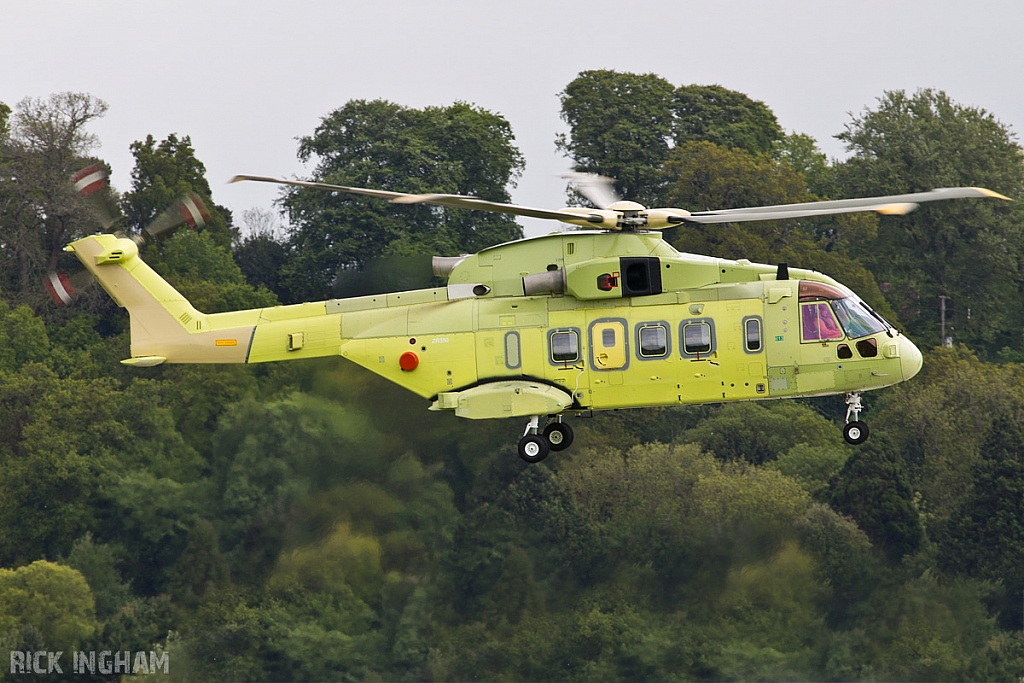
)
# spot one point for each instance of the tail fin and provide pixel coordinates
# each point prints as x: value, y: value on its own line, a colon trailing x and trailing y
x: 165, y: 327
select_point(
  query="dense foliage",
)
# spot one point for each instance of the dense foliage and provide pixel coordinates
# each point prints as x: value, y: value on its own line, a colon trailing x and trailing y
x: 458, y: 149
x: 307, y: 521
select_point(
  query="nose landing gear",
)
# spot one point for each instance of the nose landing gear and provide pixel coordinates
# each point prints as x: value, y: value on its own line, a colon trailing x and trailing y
x: 535, y: 445
x: 855, y: 432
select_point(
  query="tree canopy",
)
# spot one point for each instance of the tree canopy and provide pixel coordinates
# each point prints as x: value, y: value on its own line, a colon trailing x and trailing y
x: 624, y: 125
x: 459, y: 149
x: 44, y: 142
x: 725, y: 117
x: 165, y: 172
x: 968, y: 250
x: 620, y: 125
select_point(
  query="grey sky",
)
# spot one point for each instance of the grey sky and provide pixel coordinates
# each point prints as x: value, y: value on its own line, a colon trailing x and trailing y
x: 245, y: 79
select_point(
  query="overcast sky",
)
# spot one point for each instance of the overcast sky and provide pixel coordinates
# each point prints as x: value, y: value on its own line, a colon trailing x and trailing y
x: 245, y: 79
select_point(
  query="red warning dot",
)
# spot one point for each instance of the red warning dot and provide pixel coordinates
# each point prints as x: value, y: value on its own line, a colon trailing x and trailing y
x: 408, y: 361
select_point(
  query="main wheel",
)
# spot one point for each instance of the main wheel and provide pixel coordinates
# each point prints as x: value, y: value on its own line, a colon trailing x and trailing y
x: 559, y: 435
x: 855, y: 432
x: 533, y: 448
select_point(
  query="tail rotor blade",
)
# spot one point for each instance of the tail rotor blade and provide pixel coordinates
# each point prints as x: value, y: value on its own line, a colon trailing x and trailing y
x: 89, y: 179
x: 87, y: 183
x: 194, y: 211
x: 64, y: 288
x: 59, y: 288
x: 189, y: 210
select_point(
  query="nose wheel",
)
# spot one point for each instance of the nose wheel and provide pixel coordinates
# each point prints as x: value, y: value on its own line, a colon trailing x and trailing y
x: 855, y: 432
x: 536, y: 444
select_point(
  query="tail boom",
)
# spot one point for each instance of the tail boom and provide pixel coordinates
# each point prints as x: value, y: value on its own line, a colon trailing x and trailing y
x: 164, y: 325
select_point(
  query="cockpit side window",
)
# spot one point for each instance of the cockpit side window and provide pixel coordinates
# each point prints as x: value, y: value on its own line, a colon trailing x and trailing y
x: 855, y: 317
x: 818, y: 322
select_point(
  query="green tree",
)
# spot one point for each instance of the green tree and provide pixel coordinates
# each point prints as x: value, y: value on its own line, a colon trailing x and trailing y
x: 52, y: 599
x: 967, y: 250
x: 769, y: 620
x: 984, y: 537
x: 5, y: 126
x: 165, y: 172
x: 56, y: 444
x: 459, y: 149
x: 711, y: 113
x: 205, y: 272
x: 873, y: 489
x: 941, y: 420
x: 23, y: 338
x: 703, y: 176
x: 290, y: 473
x: 933, y: 630
x: 624, y: 125
x: 812, y: 465
x: 97, y: 563
x: 620, y: 125
x: 261, y: 251
x: 342, y: 562
x: 758, y: 434
x: 801, y: 152
x: 40, y: 213
x: 844, y: 560
x: 201, y: 567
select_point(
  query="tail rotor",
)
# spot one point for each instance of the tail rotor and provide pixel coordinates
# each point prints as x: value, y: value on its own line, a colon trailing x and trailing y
x: 87, y: 183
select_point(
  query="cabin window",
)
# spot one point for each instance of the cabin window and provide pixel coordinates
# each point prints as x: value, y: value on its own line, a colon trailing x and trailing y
x: 608, y: 339
x: 819, y: 323
x: 698, y: 337
x: 565, y: 346
x: 512, y: 359
x: 652, y: 340
x: 752, y: 334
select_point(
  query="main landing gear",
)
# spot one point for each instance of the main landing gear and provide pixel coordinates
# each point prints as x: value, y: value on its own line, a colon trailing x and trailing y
x: 855, y: 432
x: 536, y: 444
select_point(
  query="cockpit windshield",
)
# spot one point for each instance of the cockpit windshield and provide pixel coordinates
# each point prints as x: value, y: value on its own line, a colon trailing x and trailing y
x: 857, y: 318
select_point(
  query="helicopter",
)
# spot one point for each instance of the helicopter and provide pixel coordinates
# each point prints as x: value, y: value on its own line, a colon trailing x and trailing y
x: 606, y: 317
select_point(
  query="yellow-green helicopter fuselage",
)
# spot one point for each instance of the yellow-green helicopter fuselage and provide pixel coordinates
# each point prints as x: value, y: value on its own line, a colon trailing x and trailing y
x: 571, y: 321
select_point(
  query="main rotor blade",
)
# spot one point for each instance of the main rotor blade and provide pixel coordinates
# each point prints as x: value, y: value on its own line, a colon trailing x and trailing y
x: 454, y: 201
x: 893, y: 204
x: 598, y: 189
x: 607, y: 219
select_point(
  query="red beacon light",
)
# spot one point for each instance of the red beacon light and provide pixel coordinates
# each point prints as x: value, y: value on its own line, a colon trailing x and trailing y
x: 408, y: 361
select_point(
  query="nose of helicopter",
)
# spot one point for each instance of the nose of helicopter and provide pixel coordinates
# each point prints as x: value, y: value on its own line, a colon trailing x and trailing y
x: 910, y: 358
